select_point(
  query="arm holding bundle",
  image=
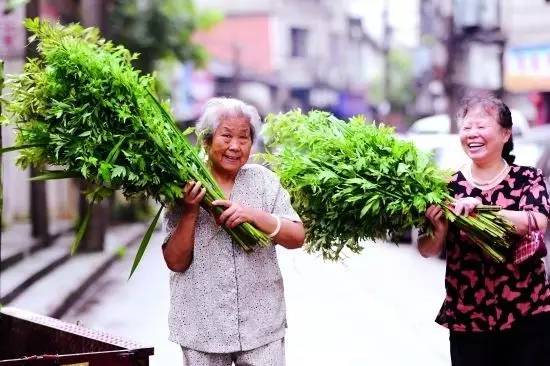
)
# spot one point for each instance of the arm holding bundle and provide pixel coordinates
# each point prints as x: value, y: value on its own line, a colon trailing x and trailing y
x: 285, y: 232
x: 432, y: 245
x: 178, y: 251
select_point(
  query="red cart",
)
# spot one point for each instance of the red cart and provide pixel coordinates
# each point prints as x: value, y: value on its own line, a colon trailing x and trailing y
x: 31, y: 339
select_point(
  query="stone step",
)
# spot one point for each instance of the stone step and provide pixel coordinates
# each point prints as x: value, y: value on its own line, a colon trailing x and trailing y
x: 54, y: 294
x: 17, y: 242
x: 32, y: 268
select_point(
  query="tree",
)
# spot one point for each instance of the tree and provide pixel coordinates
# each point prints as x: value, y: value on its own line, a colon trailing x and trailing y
x: 160, y: 29
x: 400, y: 91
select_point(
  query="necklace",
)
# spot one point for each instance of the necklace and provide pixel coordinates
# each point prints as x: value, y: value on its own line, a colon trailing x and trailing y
x: 493, y: 181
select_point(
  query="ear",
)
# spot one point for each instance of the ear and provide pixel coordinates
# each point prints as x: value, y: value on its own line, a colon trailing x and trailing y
x: 507, y: 132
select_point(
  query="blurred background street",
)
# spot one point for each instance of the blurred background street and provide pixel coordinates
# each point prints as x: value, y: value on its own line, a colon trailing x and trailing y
x: 404, y: 62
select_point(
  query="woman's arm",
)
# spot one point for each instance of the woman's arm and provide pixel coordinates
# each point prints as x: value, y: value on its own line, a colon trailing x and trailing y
x: 178, y: 251
x: 291, y: 234
x: 519, y: 220
x: 432, y: 245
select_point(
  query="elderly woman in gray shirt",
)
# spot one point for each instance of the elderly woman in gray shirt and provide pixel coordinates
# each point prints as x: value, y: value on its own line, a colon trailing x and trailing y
x: 227, y: 306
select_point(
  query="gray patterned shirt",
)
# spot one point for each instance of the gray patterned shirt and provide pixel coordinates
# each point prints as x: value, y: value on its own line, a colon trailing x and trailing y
x: 229, y: 300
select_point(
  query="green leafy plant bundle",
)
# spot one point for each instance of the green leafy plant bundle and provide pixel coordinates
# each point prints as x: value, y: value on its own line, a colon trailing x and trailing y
x: 82, y: 107
x: 354, y: 180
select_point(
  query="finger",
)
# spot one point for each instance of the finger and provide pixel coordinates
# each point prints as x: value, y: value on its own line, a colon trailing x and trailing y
x: 231, y: 220
x: 227, y: 213
x: 187, y: 187
x: 469, y: 209
x: 195, y: 190
x: 223, y: 203
x: 458, y: 207
x: 199, y: 196
x: 237, y: 222
x: 429, y: 212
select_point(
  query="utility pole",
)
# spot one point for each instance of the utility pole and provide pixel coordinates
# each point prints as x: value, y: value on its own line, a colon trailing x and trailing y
x: 502, y: 47
x: 236, y: 50
x: 38, y: 198
x: 453, y: 50
x: 386, y: 49
x: 91, y: 13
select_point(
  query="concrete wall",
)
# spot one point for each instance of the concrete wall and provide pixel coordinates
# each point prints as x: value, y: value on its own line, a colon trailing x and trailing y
x: 526, y: 22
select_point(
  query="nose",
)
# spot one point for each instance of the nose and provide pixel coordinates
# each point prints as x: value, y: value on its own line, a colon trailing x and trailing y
x: 471, y: 133
x: 233, y: 144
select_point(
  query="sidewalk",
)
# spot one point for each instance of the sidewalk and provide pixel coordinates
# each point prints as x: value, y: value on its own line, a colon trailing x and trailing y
x: 49, y: 280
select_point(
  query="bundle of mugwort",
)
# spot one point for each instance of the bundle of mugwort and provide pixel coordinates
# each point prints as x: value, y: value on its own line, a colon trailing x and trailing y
x: 354, y: 180
x: 81, y: 106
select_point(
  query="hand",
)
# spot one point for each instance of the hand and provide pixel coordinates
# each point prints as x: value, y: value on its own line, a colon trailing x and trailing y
x: 235, y: 214
x: 193, y: 193
x: 465, y: 206
x: 437, y: 217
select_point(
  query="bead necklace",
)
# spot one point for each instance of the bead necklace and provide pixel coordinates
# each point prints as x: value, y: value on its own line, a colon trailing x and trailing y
x: 493, y: 181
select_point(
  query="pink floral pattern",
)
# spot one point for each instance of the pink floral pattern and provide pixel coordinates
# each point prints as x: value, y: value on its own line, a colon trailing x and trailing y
x: 482, y: 295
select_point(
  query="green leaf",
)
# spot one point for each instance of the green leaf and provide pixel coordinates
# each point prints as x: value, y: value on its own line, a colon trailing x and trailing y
x: 145, y: 242
x: 20, y: 147
x: 55, y: 174
x: 118, y: 171
x: 402, y: 168
x: 113, y: 154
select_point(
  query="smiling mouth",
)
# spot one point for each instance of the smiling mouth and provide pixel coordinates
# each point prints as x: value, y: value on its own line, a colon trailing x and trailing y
x: 232, y: 158
x: 475, y: 145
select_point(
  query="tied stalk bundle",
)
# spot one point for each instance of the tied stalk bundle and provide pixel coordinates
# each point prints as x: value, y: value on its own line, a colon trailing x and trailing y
x: 82, y: 107
x: 351, y: 181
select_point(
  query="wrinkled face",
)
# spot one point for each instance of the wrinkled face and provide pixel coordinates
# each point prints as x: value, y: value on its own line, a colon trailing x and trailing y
x: 231, y: 144
x: 481, y: 136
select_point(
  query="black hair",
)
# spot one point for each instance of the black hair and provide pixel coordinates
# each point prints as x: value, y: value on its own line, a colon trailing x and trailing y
x: 497, y: 108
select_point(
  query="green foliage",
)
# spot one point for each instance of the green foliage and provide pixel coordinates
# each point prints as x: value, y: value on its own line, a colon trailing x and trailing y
x: 159, y: 29
x: 401, y: 91
x: 84, y: 108
x: 351, y: 181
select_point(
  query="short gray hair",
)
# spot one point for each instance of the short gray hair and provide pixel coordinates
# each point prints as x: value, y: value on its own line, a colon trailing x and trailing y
x: 217, y: 109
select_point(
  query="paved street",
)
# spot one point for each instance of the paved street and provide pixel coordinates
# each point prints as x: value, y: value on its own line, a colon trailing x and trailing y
x: 373, y: 309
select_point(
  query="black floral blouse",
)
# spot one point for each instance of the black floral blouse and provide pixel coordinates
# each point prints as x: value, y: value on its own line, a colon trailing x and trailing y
x: 481, y: 294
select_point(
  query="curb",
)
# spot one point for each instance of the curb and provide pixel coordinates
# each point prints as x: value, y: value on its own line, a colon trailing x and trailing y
x: 35, y: 247
x: 71, y: 299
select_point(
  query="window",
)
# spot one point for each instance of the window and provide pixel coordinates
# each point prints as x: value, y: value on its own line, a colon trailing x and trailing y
x: 298, y: 42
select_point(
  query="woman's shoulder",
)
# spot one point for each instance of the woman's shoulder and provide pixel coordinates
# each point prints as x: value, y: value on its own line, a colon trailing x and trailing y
x: 456, y: 177
x: 259, y: 171
x: 525, y: 170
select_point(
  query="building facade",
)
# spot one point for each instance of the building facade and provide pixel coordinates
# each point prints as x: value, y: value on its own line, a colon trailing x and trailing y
x: 284, y: 54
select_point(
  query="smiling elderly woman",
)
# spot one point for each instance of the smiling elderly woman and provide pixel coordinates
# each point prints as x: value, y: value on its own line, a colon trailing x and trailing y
x: 227, y: 305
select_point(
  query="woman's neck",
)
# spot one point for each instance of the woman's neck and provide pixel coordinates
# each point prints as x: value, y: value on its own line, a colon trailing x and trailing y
x: 488, y: 170
x: 225, y: 179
